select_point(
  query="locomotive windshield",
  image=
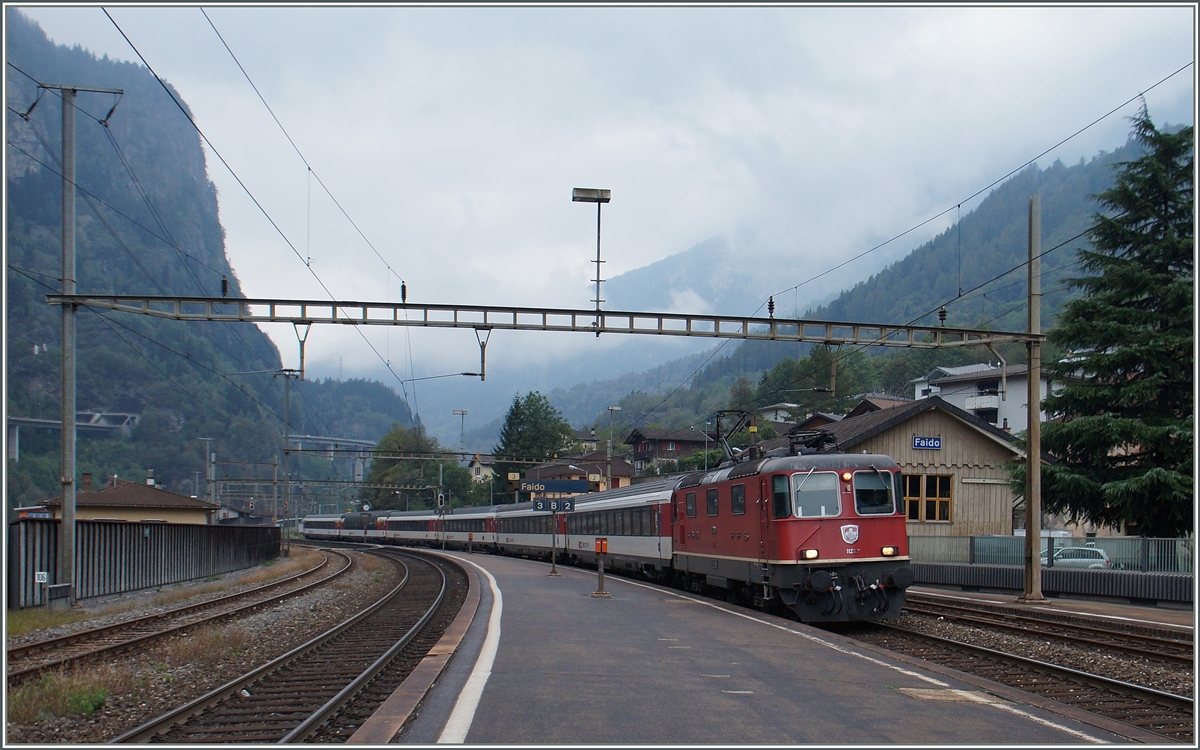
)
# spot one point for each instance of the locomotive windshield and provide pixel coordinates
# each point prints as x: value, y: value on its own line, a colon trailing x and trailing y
x: 872, y: 493
x: 817, y: 495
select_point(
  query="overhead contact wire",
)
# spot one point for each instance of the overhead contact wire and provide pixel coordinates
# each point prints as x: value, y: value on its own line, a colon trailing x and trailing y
x: 242, y: 184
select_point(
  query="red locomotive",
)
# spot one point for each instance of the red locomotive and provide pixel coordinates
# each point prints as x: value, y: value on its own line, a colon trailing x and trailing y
x: 823, y: 532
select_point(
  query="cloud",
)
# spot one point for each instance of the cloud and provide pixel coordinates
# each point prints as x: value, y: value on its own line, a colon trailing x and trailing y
x: 453, y: 136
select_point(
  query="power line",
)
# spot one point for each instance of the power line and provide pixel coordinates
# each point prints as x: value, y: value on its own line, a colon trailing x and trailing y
x: 244, y: 187
x: 88, y: 198
x: 994, y: 183
x: 297, y: 148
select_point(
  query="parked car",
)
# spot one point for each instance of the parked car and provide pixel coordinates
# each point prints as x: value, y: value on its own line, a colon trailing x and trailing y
x: 1080, y: 557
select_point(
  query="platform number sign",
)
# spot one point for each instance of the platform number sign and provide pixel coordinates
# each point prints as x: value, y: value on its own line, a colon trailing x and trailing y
x: 41, y: 576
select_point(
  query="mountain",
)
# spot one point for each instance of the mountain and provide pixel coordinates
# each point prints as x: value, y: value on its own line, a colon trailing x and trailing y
x: 986, y: 249
x: 147, y: 223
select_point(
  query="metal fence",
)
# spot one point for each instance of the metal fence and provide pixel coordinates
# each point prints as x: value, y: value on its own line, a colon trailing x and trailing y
x: 1124, y: 553
x: 114, y: 556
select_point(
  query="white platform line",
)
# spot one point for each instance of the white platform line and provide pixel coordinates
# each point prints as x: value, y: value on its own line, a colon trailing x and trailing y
x: 463, y: 715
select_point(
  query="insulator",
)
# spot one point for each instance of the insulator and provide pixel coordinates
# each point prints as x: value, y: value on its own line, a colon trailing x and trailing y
x: 771, y: 306
x: 942, y: 314
x: 224, y: 286
x: 403, y: 292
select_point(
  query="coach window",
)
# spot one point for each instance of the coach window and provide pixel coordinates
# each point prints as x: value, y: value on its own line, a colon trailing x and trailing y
x: 873, y: 493
x: 781, y: 506
x: 690, y: 504
x: 737, y: 499
x: 618, y: 523
x: 714, y: 506
x: 636, y: 530
x: 817, y: 495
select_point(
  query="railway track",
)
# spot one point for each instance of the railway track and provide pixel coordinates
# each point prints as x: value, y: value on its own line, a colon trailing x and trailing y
x: 325, y: 688
x: 1155, y: 643
x: 33, y: 659
x: 1164, y: 714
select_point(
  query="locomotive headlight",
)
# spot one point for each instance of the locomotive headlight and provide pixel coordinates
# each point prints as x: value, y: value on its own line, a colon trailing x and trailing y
x: 846, y: 476
x: 889, y: 551
x: 808, y: 554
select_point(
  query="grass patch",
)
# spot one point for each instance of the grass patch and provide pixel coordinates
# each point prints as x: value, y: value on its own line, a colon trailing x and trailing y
x: 59, y: 694
x: 208, y: 645
x: 21, y: 621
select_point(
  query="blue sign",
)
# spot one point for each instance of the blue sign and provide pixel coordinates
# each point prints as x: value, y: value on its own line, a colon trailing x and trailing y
x: 557, y: 505
x: 927, y: 443
x: 554, y: 485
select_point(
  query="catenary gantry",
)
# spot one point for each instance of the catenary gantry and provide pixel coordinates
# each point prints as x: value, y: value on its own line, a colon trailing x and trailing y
x: 492, y: 317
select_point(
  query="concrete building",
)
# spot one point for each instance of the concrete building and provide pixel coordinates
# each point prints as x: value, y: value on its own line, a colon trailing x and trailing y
x: 980, y: 390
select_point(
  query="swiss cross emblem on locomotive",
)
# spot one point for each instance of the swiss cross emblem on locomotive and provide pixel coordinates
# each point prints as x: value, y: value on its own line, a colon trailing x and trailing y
x: 850, y: 533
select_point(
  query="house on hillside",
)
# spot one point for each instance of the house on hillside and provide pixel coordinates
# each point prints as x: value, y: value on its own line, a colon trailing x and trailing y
x: 776, y: 413
x: 121, y: 500
x: 482, y: 468
x: 651, y: 445
x: 981, y: 390
x: 586, y: 439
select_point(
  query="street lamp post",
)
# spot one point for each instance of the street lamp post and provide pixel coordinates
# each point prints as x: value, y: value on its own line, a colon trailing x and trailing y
x: 597, y: 196
x: 608, y: 459
x: 462, y: 440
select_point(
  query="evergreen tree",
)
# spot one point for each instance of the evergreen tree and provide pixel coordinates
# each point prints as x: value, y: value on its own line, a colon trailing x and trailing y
x: 532, y: 429
x: 1124, y: 445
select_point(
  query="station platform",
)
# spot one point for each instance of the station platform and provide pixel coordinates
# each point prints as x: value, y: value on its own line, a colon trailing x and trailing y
x: 544, y: 662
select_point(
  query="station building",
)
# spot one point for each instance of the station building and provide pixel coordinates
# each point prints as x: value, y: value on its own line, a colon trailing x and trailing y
x: 122, y: 500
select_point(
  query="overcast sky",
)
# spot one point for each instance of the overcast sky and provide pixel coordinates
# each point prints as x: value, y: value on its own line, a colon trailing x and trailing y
x: 453, y: 137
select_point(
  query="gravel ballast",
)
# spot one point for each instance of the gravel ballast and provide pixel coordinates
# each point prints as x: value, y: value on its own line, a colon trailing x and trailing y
x: 1139, y: 670
x: 174, y: 671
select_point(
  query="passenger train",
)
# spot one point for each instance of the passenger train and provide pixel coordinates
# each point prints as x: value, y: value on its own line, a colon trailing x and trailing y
x: 822, y: 534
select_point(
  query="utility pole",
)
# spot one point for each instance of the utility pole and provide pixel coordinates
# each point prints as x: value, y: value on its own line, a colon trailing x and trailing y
x: 66, y: 530
x: 287, y: 432
x: 1033, y: 441
x: 209, y: 459
x: 66, y: 547
x: 608, y: 456
x: 462, y: 439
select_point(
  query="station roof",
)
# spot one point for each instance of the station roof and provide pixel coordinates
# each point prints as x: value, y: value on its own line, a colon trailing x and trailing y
x: 133, y: 495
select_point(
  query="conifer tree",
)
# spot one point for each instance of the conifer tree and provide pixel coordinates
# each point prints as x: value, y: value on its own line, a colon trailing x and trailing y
x: 1123, y: 448
x: 532, y: 428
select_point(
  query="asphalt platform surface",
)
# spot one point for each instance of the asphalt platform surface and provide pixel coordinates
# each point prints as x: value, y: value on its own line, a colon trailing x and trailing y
x: 657, y: 666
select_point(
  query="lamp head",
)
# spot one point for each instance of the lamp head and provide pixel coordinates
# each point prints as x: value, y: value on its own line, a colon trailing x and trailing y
x: 591, y: 195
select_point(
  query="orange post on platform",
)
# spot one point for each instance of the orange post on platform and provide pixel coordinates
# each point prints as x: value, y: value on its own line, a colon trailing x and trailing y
x: 601, y: 550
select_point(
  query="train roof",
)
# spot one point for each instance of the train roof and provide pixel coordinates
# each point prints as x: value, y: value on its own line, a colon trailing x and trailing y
x: 812, y: 461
